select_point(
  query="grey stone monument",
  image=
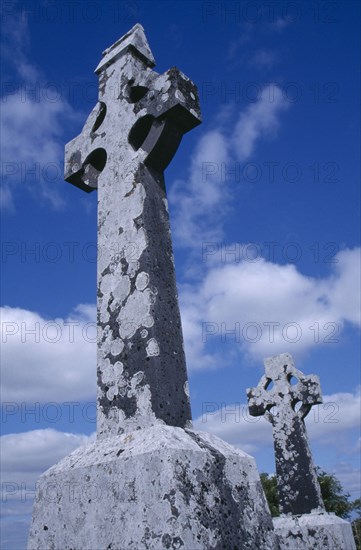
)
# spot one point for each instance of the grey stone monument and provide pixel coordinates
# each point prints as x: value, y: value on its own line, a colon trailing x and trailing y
x: 149, y: 481
x: 127, y: 142
x: 285, y: 396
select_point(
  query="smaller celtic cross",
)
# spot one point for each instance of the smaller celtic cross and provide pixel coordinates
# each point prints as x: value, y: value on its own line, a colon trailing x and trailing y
x: 285, y: 396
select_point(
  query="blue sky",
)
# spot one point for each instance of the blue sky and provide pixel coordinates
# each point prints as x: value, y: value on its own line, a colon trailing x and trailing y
x: 264, y: 205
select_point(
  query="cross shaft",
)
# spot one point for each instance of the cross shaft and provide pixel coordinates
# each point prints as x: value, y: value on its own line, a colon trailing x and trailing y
x: 126, y: 143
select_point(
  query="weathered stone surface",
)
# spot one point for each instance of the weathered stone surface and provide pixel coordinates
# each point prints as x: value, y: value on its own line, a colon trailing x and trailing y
x: 148, y: 482
x: 279, y: 393
x: 127, y: 142
x: 314, y: 532
x: 155, y: 488
x: 284, y: 396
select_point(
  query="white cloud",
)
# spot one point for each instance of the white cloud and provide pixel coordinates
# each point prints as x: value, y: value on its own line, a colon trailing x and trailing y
x: 259, y: 120
x: 349, y: 477
x: 32, y: 124
x: 48, y: 360
x: 335, y: 420
x: 202, y: 202
x: 234, y: 424
x: 338, y: 413
x: 196, y: 352
x: 55, y: 359
x: 203, y: 194
x: 345, y: 285
x: 24, y: 457
x: 273, y: 308
x: 263, y: 59
x: 16, y: 43
x: 244, y: 36
x: 31, y: 146
x: 6, y: 197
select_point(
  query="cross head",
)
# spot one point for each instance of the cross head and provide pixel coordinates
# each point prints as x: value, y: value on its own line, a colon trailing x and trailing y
x: 137, y: 107
x: 283, y: 391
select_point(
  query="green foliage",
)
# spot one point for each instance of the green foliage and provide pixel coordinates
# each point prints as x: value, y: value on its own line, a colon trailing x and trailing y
x: 334, y: 497
x: 331, y: 489
x: 269, y: 483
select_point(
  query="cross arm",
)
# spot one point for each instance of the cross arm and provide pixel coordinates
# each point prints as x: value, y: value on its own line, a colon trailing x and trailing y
x: 84, y: 159
x: 309, y: 393
x: 259, y: 400
x: 172, y: 108
x: 173, y: 96
x: 182, y: 105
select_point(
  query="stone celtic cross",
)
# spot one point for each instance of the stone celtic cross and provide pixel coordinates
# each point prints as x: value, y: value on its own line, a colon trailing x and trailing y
x: 285, y: 396
x: 127, y: 142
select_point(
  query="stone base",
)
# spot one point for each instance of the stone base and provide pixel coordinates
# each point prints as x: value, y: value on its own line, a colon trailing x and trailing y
x: 314, y: 532
x: 156, y: 488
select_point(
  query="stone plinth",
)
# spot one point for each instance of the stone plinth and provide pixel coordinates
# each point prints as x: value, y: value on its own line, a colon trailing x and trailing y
x: 156, y: 488
x: 314, y: 532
